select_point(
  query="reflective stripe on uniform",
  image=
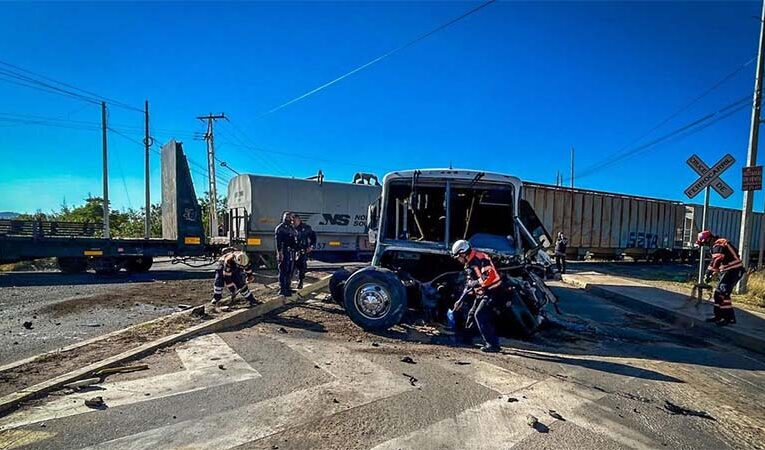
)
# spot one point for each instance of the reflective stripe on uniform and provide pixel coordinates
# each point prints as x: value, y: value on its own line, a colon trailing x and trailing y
x: 218, y: 290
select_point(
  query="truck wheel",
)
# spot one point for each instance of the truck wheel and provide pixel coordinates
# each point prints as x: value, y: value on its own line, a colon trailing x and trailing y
x: 72, y: 264
x: 337, y: 285
x: 524, y: 323
x: 139, y: 264
x: 375, y: 299
x: 105, y: 266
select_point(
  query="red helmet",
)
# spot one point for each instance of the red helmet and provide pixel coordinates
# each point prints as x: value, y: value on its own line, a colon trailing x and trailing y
x: 703, y: 237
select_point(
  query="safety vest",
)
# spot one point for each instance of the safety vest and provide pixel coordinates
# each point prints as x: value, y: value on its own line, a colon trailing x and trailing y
x: 481, y: 268
x: 724, y: 256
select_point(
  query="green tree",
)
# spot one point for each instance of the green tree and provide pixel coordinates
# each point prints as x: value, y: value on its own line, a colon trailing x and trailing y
x: 204, y: 202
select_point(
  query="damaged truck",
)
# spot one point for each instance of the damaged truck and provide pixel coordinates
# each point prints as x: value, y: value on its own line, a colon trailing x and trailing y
x: 413, y: 224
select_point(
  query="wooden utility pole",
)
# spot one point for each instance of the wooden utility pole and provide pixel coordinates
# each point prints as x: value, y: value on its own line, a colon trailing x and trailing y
x: 751, y: 158
x: 107, y: 233
x: 213, y: 191
x: 147, y: 145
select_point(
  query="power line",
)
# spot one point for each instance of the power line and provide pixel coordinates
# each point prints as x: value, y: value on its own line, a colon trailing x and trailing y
x: 686, y: 130
x: 19, y: 73
x: 377, y: 59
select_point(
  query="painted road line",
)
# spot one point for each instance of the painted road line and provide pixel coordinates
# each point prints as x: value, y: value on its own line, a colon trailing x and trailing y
x: 358, y: 381
x: 201, y: 372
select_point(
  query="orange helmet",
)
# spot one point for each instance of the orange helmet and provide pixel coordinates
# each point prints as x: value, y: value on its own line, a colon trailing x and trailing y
x: 704, y: 237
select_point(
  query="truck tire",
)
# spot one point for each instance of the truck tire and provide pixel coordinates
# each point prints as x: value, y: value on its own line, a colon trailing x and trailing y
x: 139, y: 264
x: 375, y: 299
x: 105, y: 266
x: 72, y: 264
x: 337, y: 286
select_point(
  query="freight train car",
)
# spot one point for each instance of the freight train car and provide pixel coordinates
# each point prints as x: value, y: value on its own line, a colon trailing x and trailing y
x: 336, y: 211
x: 609, y: 225
x: 721, y: 221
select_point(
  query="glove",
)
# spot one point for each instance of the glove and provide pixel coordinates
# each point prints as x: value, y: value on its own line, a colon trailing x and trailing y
x: 708, y: 277
x: 250, y: 278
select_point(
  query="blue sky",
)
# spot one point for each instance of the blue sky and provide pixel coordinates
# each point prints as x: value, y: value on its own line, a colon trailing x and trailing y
x: 509, y: 89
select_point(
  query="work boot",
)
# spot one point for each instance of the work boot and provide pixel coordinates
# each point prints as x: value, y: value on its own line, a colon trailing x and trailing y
x: 253, y: 302
x: 490, y: 348
x: 300, y: 285
x: 214, y: 301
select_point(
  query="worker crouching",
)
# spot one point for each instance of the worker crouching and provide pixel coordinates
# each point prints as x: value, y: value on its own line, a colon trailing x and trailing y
x: 234, y: 272
x: 727, y: 263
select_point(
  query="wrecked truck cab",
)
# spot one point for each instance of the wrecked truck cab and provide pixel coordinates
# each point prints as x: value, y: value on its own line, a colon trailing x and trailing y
x: 419, y: 214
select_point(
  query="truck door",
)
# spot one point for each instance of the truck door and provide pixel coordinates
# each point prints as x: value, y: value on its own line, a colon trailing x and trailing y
x: 530, y: 221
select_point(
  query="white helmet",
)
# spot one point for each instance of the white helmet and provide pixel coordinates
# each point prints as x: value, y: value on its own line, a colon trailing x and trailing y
x: 460, y: 247
x: 241, y: 259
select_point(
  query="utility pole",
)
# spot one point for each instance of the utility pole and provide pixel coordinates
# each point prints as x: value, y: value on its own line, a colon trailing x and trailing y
x: 147, y: 145
x: 107, y: 233
x: 751, y: 158
x: 210, y: 138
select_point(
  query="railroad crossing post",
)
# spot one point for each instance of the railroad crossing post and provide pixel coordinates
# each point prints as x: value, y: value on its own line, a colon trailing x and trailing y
x: 147, y: 145
x: 703, y: 227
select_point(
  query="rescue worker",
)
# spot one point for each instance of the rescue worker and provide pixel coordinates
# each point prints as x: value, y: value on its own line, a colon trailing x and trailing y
x: 306, y: 241
x: 727, y: 263
x: 286, y: 243
x: 483, y: 277
x: 234, y: 271
x: 560, y: 252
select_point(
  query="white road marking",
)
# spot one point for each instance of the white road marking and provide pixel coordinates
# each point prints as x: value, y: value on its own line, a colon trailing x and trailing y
x: 499, y: 424
x: 201, y: 372
x: 358, y: 382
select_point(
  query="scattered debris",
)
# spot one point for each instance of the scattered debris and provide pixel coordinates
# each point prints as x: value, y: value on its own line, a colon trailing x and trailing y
x: 123, y: 369
x: 412, y: 380
x: 408, y: 360
x: 316, y: 366
x: 375, y: 344
x: 531, y: 420
x: 511, y: 400
x: 334, y: 400
x: 83, y: 383
x: 43, y: 425
x: 359, y: 340
x: 93, y: 325
x: 199, y: 311
x: 27, y: 325
x: 282, y: 330
x: 554, y: 414
x: 274, y: 447
x: 183, y: 306
x: 221, y: 367
x: 461, y: 363
x: 679, y: 410
x: 95, y: 403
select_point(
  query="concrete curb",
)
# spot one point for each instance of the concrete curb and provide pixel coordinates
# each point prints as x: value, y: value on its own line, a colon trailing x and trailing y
x: 674, y: 317
x: 235, y: 318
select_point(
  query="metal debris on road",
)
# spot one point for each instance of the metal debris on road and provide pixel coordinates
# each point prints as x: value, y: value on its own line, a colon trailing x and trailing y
x: 461, y: 363
x: 95, y: 403
x: 282, y: 330
x: 27, y: 325
x: 408, y: 360
x: 554, y: 414
x: 512, y: 400
x: 412, y: 380
x: 680, y: 410
x: 83, y: 383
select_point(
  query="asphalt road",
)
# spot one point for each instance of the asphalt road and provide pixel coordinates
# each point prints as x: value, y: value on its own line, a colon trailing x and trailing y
x: 310, y: 379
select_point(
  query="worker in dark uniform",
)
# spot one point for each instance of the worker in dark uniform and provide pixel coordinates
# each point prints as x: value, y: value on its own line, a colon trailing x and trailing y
x: 286, y: 243
x: 234, y: 272
x: 727, y: 263
x: 561, y: 244
x: 483, y: 277
x: 306, y: 241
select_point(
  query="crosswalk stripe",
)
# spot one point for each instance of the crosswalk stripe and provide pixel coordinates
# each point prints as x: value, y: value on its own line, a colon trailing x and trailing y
x: 358, y: 381
x: 200, y: 357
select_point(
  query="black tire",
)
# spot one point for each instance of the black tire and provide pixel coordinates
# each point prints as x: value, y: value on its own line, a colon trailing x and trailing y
x: 524, y: 324
x: 337, y: 286
x: 72, y: 264
x: 105, y: 266
x: 379, y: 284
x: 139, y: 264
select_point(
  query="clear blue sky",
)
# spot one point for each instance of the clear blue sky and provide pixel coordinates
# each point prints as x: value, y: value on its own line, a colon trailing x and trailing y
x: 508, y: 89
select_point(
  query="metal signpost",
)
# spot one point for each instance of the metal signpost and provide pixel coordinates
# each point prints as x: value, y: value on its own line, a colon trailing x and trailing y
x: 708, y: 178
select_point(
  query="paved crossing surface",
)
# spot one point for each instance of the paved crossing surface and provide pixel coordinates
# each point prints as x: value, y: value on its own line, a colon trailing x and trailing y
x: 310, y: 379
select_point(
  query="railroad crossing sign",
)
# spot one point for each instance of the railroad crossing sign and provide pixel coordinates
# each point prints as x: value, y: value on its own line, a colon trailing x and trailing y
x: 710, y: 177
x: 752, y: 178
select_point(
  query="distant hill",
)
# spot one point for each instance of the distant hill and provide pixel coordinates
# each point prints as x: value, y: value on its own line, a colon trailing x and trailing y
x: 8, y: 215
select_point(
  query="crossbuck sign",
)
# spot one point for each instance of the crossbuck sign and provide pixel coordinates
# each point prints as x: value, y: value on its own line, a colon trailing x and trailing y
x: 710, y: 177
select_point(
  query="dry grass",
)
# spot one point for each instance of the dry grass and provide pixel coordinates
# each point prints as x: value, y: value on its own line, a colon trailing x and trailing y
x: 756, y: 294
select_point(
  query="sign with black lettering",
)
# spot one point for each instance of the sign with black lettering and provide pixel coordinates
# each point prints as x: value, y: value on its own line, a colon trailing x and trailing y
x: 751, y: 179
x: 710, y: 176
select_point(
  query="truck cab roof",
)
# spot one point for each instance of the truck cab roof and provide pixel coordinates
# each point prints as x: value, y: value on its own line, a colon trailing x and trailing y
x: 455, y: 175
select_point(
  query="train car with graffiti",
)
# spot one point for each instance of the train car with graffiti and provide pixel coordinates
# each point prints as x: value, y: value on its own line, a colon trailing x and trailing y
x: 336, y: 211
x: 613, y: 226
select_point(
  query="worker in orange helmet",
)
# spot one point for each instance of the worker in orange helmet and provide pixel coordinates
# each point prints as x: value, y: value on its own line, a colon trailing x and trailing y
x: 727, y: 263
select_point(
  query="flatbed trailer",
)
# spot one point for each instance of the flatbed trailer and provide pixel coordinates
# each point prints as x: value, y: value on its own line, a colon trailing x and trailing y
x: 78, y: 246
